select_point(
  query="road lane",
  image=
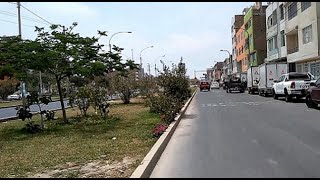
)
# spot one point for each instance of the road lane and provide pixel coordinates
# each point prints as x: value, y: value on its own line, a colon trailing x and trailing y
x: 242, y: 135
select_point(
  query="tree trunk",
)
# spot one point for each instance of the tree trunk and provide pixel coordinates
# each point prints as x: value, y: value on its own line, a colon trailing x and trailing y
x: 61, y: 101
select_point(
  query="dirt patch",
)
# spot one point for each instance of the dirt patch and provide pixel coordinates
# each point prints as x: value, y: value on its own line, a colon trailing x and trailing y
x: 93, y: 169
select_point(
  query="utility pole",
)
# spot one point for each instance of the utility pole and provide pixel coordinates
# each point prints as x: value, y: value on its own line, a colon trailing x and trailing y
x: 40, y: 82
x: 23, y: 84
x: 19, y: 18
x: 155, y: 70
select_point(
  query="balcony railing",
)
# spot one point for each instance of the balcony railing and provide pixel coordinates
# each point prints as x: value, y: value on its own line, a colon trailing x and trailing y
x: 293, y: 50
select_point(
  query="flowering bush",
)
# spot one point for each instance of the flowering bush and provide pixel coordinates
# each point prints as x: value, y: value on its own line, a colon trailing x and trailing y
x: 159, y: 130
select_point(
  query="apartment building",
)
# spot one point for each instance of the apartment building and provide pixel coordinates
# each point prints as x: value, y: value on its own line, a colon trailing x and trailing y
x: 236, y: 22
x: 218, y: 71
x: 240, y: 49
x: 275, y: 34
x: 302, y: 35
x: 255, y: 27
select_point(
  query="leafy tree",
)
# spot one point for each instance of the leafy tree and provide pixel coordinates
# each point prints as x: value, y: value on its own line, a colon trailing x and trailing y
x: 8, y: 87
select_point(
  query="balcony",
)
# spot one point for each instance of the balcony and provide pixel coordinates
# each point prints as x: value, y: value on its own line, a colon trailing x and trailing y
x: 293, y: 50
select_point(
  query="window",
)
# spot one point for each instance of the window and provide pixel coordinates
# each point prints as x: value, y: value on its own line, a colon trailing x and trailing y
x: 305, y: 5
x: 292, y: 10
x: 299, y: 67
x: 269, y: 21
x: 315, y: 70
x: 306, y: 67
x: 281, y: 12
x: 283, y: 38
x: 272, y: 43
x: 274, y: 17
x: 281, y: 78
x: 307, y: 34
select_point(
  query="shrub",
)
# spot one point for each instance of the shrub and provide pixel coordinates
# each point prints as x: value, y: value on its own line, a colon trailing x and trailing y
x: 159, y: 130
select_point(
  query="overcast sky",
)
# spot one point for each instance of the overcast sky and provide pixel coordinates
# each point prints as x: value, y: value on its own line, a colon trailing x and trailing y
x: 194, y: 30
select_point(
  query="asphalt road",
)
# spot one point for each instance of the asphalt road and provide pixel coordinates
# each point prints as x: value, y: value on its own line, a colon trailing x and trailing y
x: 246, y: 136
x: 11, y: 111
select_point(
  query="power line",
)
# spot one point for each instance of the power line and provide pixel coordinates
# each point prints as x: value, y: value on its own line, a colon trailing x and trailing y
x: 36, y: 14
x: 15, y: 23
x: 26, y: 18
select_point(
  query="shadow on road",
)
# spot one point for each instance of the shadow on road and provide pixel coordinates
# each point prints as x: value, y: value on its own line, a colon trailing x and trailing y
x: 189, y: 116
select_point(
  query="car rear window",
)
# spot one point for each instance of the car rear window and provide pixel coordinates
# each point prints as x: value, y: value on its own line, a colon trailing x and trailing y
x: 299, y: 77
x: 204, y: 83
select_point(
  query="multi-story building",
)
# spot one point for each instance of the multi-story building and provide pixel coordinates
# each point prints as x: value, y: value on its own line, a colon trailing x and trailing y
x: 240, y: 49
x: 210, y: 74
x: 237, y: 21
x: 255, y: 27
x: 302, y: 27
x: 276, y: 40
x: 218, y: 71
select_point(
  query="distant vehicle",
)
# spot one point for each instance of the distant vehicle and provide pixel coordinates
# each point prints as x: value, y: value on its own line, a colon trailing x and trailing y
x: 269, y: 72
x: 204, y: 85
x: 235, y: 84
x: 313, y: 94
x: 16, y: 96
x: 215, y: 85
x: 291, y: 85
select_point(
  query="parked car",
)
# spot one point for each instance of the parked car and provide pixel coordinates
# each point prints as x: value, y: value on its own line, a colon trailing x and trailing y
x: 291, y: 85
x: 204, y: 85
x: 215, y: 85
x: 313, y: 94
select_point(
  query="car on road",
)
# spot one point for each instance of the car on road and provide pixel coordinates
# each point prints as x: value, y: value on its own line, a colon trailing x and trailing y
x: 204, y: 85
x: 215, y: 85
x: 291, y: 85
x: 16, y: 96
x: 313, y: 94
x: 235, y: 84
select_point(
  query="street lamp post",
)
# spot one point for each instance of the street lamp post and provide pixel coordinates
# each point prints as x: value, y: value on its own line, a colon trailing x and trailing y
x: 230, y: 59
x: 114, y: 35
x: 141, y: 52
x: 155, y: 65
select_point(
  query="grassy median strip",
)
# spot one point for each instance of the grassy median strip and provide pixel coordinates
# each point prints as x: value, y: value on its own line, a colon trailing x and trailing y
x: 127, y: 133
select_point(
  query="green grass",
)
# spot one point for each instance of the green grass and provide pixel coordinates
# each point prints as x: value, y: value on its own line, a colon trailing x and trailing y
x: 77, y: 142
x: 19, y: 102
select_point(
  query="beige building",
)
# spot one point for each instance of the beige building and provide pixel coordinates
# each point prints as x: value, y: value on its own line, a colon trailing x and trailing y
x: 302, y: 35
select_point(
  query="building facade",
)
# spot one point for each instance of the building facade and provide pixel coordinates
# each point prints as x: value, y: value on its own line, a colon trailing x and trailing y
x: 302, y: 34
x: 275, y: 35
x: 240, y: 49
x: 236, y: 22
x: 255, y: 25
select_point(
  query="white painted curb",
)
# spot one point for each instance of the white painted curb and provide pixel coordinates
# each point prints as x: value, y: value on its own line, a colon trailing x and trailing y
x: 147, y: 165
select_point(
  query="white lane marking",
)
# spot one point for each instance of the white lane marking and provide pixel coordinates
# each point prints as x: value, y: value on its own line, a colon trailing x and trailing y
x: 209, y: 105
x: 223, y: 105
x: 214, y: 105
x: 272, y: 162
x: 203, y: 105
x: 254, y: 141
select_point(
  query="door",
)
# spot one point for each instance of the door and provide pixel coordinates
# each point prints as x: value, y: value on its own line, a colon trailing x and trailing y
x: 280, y: 85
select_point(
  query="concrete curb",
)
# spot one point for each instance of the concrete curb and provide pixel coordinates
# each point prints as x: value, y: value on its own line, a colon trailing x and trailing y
x: 147, y: 165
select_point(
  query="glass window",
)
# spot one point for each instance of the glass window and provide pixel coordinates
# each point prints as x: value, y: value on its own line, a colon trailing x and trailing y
x: 292, y: 10
x: 283, y: 38
x: 307, y: 34
x: 299, y: 67
x: 274, y: 17
x: 306, y: 67
x: 281, y: 12
x: 305, y: 5
x: 315, y: 69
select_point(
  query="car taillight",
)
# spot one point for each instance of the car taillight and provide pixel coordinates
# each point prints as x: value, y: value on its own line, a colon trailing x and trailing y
x: 293, y: 85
